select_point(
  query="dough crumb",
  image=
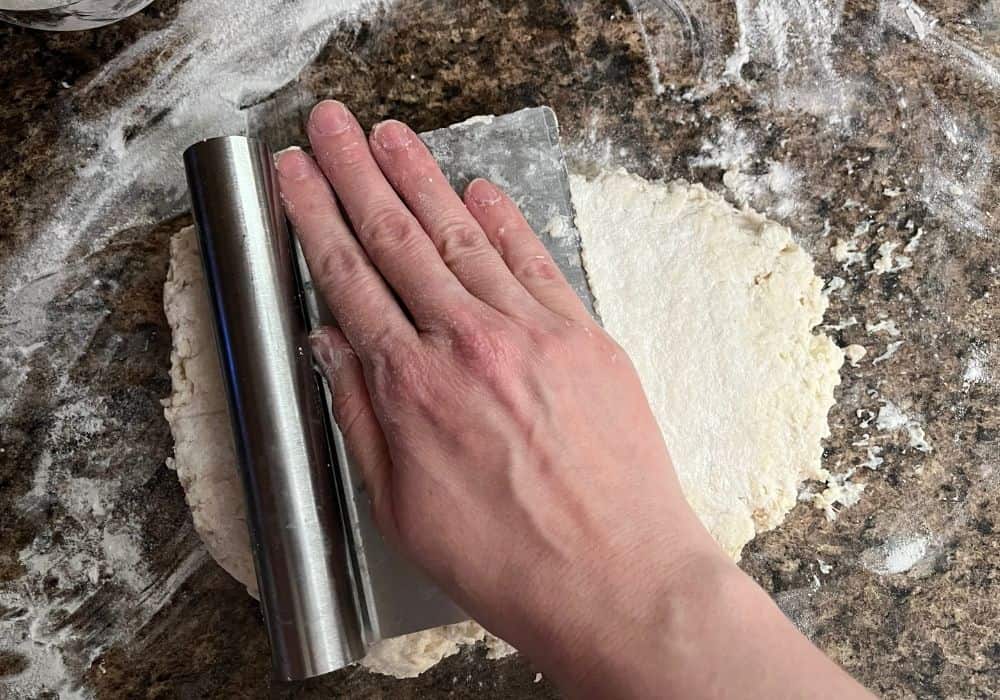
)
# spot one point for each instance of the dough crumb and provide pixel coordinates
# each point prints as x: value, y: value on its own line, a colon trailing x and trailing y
x: 854, y: 353
x: 884, y: 263
x: 846, y: 252
x: 840, y: 491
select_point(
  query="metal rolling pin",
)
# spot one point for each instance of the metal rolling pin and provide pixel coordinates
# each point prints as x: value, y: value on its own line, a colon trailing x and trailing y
x: 296, y: 526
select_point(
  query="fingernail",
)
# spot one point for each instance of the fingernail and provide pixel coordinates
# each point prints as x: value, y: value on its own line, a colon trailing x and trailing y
x: 292, y: 163
x: 483, y: 192
x: 330, y: 117
x: 323, y: 352
x: 392, y: 135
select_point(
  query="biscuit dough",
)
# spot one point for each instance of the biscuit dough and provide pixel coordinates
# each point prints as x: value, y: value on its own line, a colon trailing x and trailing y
x: 716, y: 307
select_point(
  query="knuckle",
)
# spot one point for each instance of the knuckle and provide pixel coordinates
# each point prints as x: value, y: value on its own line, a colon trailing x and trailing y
x: 458, y: 241
x: 389, y: 227
x: 487, y: 351
x: 341, y: 265
x: 550, y: 344
x: 540, y: 268
x: 569, y: 337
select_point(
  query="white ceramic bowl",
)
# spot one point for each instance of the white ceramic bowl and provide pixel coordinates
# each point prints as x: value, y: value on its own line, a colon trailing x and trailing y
x: 68, y: 15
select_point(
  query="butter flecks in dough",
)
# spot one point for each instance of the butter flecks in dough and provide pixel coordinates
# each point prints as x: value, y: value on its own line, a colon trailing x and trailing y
x: 206, y: 464
x: 716, y: 307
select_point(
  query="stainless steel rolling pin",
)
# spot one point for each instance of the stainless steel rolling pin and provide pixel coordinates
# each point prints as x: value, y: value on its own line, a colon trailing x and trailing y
x: 281, y: 435
x: 330, y: 584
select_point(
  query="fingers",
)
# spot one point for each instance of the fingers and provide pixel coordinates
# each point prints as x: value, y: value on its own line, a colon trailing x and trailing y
x: 461, y: 243
x: 392, y: 237
x: 352, y: 287
x: 352, y: 409
x: 521, y: 249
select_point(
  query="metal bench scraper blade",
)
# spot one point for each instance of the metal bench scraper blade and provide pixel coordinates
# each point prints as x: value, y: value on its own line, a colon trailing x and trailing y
x: 521, y: 153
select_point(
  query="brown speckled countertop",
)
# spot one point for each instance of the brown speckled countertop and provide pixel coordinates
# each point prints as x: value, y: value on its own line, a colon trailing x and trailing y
x: 868, y: 121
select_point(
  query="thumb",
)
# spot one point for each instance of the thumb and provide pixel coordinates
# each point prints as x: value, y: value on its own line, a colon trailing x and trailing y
x: 352, y: 410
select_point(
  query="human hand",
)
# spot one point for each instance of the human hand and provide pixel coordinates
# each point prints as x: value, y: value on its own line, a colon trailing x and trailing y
x: 504, y: 438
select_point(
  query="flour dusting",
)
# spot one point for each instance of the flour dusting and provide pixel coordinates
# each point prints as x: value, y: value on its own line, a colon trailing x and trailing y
x: 84, y: 582
x: 213, y: 62
x: 654, y: 69
x: 796, y: 38
x: 977, y: 368
x: 914, y: 21
x: 957, y: 167
x: 767, y: 184
x: 898, y: 555
x: 891, y: 419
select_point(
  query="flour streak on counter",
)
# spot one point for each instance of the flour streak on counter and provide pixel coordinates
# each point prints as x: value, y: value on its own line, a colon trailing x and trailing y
x: 213, y: 61
x: 85, y: 582
x: 797, y: 39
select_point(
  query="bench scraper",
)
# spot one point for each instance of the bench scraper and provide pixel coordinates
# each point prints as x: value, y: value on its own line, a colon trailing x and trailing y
x: 330, y: 586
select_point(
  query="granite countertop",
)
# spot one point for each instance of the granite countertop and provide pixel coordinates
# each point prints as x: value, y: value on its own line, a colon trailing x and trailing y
x: 866, y: 122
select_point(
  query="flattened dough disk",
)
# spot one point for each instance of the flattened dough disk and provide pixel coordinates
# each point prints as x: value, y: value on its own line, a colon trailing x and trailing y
x: 716, y: 308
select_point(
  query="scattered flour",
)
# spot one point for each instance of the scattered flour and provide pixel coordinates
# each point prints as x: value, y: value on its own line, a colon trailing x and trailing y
x: 885, y: 263
x: 898, y: 555
x: 977, y: 368
x: 957, y: 166
x: 907, y: 17
x: 883, y: 326
x: 890, y: 350
x: 796, y: 40
x: 213, y: 54
x: 891, y: 419
x: 912, y: 245
x: 835, y: 284
x: 920, y: 20
x: 733, y: 151
x: 874, y: 460
x: 651, y: 62
x: 210, y: 63
x: 846, y: 251
x: 847, y: 323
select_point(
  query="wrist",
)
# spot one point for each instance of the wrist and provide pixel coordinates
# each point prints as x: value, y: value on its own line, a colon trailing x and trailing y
x: 629, y: 617
x: 647, y: 649
x: 705, y: 630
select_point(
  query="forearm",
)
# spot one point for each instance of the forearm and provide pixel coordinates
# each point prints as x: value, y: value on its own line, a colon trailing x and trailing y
x: 708, y: 632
